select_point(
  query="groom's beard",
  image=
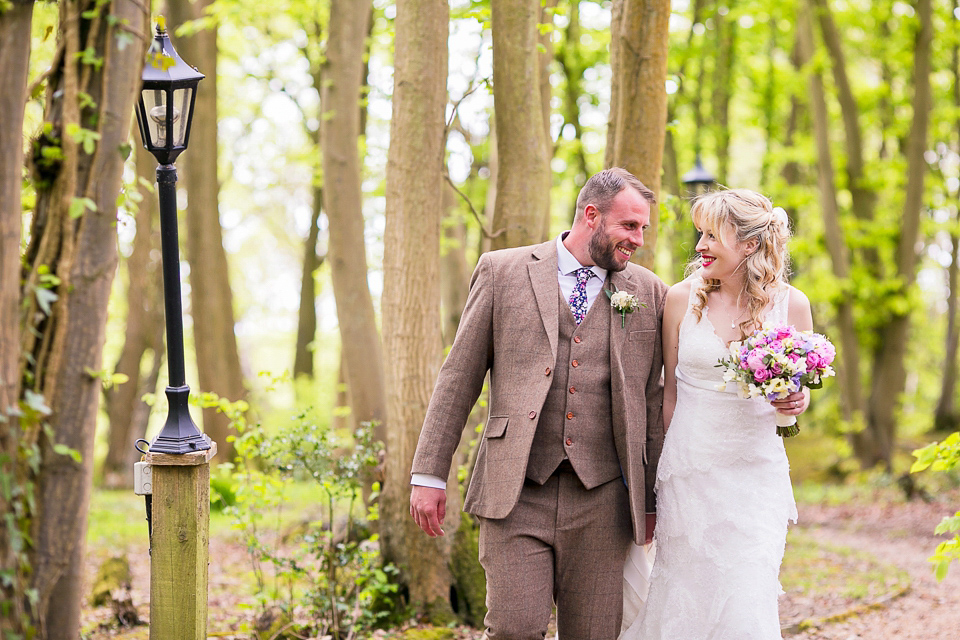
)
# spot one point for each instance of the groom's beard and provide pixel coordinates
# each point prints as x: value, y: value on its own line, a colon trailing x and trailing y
x: 603, y: 251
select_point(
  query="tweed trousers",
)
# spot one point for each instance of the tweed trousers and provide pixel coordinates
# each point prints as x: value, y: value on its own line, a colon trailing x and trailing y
x: 561, y: 543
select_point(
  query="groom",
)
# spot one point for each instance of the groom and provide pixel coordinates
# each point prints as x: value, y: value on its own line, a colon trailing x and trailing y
x: 566, y: 465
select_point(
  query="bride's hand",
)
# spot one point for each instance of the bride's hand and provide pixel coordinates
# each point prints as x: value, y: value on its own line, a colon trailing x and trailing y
x: 793, y: 404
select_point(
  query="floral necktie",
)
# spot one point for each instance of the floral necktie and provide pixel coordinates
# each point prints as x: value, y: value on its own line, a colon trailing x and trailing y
x: 578, y: 299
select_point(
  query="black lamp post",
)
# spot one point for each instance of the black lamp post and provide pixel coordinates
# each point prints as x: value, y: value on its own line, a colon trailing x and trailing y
x: 698, y: 179
x: 164, y: 115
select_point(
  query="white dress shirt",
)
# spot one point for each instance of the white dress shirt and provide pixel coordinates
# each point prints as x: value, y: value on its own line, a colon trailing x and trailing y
x: 566, y: 277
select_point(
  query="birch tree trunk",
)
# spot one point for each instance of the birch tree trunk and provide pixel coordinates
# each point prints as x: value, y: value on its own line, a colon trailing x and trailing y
x: 523, y: 175
x: 640, y: 113
x: 411, y: 295
x: 342, y: 200
x: 73, y: 237
x: 15, y: 25
x: 211, y: 298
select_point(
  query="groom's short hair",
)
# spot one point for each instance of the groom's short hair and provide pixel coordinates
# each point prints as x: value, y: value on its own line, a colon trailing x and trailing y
x: 603, y: 187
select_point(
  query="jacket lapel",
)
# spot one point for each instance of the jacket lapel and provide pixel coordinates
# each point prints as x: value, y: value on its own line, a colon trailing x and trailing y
x: 546, y: 289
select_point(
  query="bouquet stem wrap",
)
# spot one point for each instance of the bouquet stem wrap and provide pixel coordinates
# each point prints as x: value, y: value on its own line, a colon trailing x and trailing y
x: 787, y: 425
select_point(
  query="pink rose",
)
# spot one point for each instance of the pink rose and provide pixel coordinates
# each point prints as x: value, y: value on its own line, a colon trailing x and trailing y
x: 761, y: 375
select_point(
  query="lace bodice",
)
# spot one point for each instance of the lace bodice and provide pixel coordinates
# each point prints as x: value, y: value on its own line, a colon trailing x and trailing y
x: 700, y: 348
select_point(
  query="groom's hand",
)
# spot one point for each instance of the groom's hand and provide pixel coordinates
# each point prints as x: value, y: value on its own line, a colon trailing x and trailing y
x: 428, y: 506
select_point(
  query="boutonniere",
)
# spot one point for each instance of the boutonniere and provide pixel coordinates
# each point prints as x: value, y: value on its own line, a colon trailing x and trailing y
x: 623, y: 302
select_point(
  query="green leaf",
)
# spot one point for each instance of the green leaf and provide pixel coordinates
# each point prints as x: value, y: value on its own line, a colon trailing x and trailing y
x: 77, y: 206
x: 941, y: 570
x: 64, y: 450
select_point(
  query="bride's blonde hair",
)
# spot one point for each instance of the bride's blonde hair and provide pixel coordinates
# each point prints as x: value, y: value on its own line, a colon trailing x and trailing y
x: 750, y: 216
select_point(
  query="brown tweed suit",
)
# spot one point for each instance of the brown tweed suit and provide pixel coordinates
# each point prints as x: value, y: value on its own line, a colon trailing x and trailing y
x: 511, y: 327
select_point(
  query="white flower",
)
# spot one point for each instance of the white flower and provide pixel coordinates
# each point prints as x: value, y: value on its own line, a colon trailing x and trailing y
x: 735, y: 349
x: 624, y: 302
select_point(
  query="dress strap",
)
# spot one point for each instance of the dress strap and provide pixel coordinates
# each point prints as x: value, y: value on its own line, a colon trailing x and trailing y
x: 781, y: 304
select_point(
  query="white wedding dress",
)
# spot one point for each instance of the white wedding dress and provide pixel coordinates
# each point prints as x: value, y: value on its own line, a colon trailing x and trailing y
x: 723, y: 501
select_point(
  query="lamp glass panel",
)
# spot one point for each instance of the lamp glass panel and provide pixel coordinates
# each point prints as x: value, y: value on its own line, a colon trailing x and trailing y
x: 154, y: 103
x: 181, y: 114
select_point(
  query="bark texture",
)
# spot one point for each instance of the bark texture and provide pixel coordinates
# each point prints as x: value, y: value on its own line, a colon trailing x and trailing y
x: 14, y: 65
x: 640, y: 111
x: 211, y: 299
x: 307, y: 315
x: 523, y: 176
x: 411, y: 296
x: 78, y: 245
x: 342, y: 199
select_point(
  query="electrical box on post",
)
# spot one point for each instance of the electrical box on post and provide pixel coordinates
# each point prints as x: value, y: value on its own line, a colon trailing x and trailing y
x: 143, y: 479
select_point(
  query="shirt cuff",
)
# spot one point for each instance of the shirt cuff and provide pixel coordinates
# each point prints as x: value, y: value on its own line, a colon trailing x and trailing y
x: 427, y: 480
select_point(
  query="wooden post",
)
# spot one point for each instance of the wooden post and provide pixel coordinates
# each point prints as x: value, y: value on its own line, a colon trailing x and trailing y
x: 180, y: 545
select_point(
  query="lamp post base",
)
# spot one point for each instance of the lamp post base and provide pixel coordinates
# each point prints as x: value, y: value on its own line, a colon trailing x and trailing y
x: 179, y: 433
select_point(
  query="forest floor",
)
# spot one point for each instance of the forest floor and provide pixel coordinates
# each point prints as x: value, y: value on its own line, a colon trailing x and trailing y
x: 856, y: 570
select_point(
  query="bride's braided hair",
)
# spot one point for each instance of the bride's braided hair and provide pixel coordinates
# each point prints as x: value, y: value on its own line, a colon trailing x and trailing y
x: 750, y: 216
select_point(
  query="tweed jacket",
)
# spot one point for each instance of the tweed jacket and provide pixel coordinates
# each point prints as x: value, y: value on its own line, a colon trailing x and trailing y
x: 509, y: 327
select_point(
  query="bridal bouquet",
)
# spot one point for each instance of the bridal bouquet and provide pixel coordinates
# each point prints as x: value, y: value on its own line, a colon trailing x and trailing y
x: 776, y: 361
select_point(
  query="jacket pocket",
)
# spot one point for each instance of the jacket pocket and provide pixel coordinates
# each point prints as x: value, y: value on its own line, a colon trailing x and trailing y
x: 643, y: 335
x: 496, y: 427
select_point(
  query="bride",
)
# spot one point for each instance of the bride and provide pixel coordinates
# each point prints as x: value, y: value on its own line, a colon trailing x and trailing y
x: 723, y: 486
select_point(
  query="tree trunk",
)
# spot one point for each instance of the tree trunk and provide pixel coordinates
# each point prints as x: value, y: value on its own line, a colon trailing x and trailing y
x: 307, y: 315
x: 849, y: 345
x: 890, y: 371
x: 545, y: 55
x: 342, y: 200
x: 523, y: 178
x: 454, y: 270
x: 726, y: 31
x: 862, y: 196
x: 411, y: 295
x: 944, y: 415
x: 679, y: 244
x: 126, y: 412
x: 65, y: 345
x: 15, y: 25
x: 640, y: 113
x: 211, y: 299
x: 572, y: 65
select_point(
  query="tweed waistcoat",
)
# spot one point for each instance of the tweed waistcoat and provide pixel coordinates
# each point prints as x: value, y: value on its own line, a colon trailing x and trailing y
x: 575, y: 421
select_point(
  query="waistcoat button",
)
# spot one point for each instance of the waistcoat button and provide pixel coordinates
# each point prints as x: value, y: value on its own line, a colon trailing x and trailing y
x: 532, y: 415
x: 576, y: 339
x: 547, y: 372
x: 575, y: 363
x: 570, y: 415
x: 569, y: 441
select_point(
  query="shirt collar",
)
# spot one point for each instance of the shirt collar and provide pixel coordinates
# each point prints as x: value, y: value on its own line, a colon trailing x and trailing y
x: 567, y: 264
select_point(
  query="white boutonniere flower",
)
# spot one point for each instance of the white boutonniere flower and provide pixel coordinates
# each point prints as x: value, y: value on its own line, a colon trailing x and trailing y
x: 624, y: 303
